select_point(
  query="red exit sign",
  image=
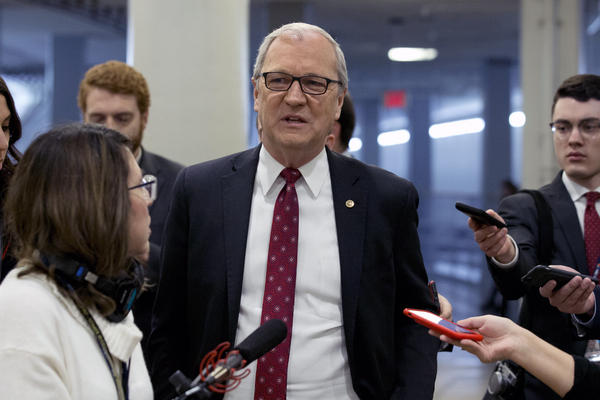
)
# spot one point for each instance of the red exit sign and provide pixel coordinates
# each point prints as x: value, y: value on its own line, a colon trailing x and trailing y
x: 394, y: 99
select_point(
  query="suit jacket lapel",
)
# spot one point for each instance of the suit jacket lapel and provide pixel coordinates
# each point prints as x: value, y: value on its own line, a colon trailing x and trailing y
x: 237, y: 202
x: 351, y: 219
x: 565, y: 213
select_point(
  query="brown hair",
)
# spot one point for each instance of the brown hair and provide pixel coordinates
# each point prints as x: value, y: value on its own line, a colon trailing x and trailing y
x: 69, y: 199
x: 347, y: 120
x: 15, y: 128
x: 115, y: 77
x: 579, y: 87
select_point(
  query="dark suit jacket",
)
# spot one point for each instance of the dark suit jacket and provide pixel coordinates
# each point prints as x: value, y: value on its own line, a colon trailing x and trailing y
x: 593, y: 331
x: 199, y: 291
x: 166, y: 172
x: 537, y: 314
x: 595, y: 328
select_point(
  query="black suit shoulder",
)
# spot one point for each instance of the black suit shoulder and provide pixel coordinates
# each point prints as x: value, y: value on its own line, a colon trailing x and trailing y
x: 165, y: 172
x: 356, y: 172
x: 153, y: 163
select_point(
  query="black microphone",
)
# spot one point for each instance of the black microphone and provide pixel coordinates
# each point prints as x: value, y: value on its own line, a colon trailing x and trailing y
x: 262, y: 340
x: 258, y: 343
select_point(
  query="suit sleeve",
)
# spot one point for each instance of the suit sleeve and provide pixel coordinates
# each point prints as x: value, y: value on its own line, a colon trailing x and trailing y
x: 168, y: 341
x: 521, y: 217
x: 415, y: 350
x: 591, y: 329
x: 595, y: 328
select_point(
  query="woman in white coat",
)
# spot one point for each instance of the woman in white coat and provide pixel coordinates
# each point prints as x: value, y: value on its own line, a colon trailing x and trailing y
x: 77, y: 214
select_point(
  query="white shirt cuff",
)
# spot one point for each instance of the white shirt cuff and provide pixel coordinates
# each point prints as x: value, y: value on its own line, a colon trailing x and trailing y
x: 513, y: 261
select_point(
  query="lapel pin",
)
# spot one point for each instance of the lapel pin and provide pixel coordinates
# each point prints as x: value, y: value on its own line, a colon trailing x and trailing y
x: 349, y: 203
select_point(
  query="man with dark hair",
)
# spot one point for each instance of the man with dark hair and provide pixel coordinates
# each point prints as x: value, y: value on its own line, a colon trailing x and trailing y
x: 293, y: 231
x: 572, y: 198
x: 342, y: 129
x: 117, y: 95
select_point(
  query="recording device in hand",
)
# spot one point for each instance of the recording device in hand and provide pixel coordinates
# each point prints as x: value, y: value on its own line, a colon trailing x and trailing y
x: 479, y: 215
x: 258, y: 343
x: 506, y: 382
x: 541, y: 274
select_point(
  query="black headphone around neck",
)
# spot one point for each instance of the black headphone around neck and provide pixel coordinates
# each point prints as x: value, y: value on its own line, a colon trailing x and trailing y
x: 124, y: 290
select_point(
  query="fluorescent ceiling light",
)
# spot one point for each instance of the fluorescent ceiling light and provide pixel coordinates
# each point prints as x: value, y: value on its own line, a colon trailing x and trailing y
x: 393, y: 137
x: 405, y: 54
x: 455, y: 128
x: 355, y: 144
x: 517, y: 119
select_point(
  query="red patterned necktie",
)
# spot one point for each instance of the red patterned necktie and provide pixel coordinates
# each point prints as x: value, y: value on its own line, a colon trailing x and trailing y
x: 591, y: 228
x: 280, y: 285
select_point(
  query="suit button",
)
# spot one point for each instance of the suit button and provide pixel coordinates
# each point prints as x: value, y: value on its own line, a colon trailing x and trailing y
x: 349, y: 203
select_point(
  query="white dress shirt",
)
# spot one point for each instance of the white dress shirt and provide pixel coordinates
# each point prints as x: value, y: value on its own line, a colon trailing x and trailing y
x: 577, y: 193
x: 318, y: 365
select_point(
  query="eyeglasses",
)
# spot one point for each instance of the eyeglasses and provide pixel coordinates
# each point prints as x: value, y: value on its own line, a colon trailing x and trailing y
x: 588, y: 129
x: 310, y: 84
x: 150, y: 186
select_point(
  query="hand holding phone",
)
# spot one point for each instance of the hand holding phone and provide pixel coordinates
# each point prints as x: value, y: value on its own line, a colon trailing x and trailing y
x: 441, y: 325
x: 541, y: 274
x: 479, y: 215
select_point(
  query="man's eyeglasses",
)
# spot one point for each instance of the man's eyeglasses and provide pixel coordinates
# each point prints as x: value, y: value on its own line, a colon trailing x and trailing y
x: 150, y: 187
x: 588, y: 129
x: 310, y: 84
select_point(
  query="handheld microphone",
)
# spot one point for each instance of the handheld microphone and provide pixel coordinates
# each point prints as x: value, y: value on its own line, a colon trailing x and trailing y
x: 263, y: 339
x: 258, y: 343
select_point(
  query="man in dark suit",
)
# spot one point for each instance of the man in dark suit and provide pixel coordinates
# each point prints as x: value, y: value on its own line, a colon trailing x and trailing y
x: 576, y: 130
x: 116, y: 95
x: 358, y: 256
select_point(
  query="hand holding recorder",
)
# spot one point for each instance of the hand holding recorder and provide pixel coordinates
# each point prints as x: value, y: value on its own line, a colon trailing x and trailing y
x: 489, y: 231
x: 565, y: 288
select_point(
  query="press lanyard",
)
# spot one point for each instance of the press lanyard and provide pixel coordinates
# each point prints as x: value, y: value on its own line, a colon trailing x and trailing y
x: 121, y: 381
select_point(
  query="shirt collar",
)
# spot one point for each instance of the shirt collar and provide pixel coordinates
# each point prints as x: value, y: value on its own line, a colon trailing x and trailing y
x: 139, y: 156
x: 576, y: 191
x: 314, y: 172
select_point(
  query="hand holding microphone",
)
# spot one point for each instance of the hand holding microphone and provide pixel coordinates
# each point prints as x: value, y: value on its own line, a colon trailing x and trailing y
x: 259, y: 342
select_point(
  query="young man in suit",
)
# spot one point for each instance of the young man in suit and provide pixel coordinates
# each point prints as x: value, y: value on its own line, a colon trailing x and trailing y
x: 116, y: 95
x: 513, y: 252
x: 353, y: 265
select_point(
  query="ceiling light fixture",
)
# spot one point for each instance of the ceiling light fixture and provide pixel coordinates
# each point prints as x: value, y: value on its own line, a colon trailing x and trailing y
x: 355, y: 144
x: 407, y: 54
x: 454, y: 128
x: 393, y: 138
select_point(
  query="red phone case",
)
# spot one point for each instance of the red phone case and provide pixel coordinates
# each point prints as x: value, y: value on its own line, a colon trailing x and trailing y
x: 441, y: 325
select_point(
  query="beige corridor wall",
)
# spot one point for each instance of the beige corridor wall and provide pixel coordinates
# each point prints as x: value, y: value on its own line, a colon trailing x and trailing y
x: 550, y: 37
x: 194, y: 55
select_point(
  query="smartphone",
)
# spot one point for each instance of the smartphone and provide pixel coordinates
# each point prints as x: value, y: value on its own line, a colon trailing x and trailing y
x: 479, y: 215
x: 541, y: 274
x: 434, y: 296
x: 441, y: 325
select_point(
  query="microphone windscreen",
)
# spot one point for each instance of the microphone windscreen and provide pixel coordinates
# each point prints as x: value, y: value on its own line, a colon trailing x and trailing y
x: 263, y: 339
